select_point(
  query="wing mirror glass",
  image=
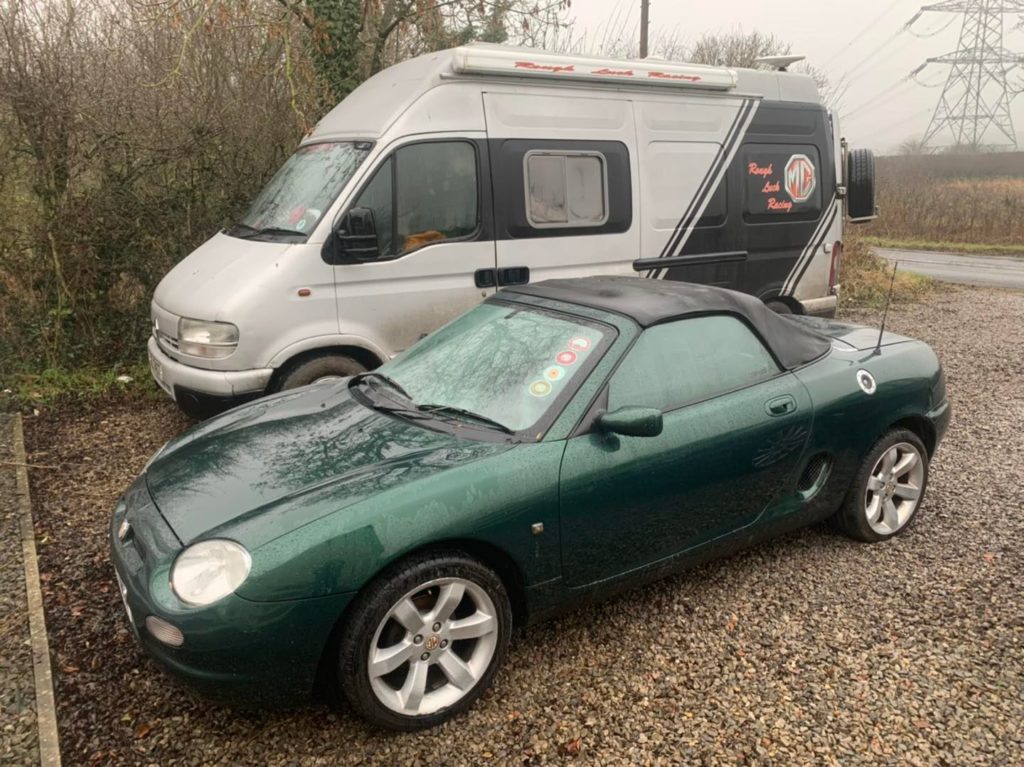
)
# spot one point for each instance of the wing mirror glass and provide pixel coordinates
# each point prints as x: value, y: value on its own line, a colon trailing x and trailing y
x: 632, y: 422
x: 354, y: 238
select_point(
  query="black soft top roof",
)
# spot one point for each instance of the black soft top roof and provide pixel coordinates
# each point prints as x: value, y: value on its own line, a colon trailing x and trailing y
x: 651, y: 302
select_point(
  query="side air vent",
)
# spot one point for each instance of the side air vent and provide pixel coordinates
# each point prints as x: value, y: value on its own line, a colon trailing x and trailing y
x: 814, y: 474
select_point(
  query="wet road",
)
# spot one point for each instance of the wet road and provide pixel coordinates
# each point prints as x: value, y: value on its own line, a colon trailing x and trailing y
x: 989, y: 271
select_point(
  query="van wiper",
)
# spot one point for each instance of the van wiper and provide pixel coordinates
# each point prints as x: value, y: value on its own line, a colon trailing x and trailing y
x: 451, y: 410
x: 383, y: 378
x: 253, y: 231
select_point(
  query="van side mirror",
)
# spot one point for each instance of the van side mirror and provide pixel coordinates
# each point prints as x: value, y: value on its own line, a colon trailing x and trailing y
x: 353, y: 240
x: 632, y: 422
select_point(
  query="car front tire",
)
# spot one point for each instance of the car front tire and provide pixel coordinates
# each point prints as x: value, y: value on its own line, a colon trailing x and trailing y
x: 424, y: 640
x: 888, y: 489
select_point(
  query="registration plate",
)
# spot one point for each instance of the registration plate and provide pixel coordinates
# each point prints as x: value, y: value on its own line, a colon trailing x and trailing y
x: 157, y: 369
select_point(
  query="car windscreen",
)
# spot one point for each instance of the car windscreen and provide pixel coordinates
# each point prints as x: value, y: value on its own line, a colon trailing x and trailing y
x: 507, y: 363
x: 299, y: 194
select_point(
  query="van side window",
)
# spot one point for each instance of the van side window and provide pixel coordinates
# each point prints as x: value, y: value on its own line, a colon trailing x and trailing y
x: 566, y: 189
x: 688, y: 361
x: 423, y: 193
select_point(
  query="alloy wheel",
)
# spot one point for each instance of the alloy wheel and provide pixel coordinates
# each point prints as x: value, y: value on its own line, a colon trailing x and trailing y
x: 894, y: 488
x: 433, y: 646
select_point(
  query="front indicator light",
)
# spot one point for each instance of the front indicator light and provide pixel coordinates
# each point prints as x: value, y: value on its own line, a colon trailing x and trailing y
x: 164, y: 631
x: 209, y: 570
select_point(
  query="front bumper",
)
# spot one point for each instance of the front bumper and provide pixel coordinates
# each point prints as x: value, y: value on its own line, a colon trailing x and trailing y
x: 172, y: 376
x: 237, y: 650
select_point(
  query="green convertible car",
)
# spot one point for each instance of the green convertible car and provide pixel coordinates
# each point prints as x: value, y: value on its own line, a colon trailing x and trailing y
x: 381, y: 535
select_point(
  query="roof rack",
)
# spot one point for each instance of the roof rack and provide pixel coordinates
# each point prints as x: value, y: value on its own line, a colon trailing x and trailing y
x: 525, y: 62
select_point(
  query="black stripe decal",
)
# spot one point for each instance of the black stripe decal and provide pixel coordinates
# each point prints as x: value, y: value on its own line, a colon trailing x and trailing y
x: 708, y: 184
x: 817, y: 244
x: 807, y: 254
x: 705, y: 184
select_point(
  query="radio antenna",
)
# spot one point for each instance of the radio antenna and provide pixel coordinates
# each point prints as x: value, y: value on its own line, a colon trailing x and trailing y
x: 885, y: 314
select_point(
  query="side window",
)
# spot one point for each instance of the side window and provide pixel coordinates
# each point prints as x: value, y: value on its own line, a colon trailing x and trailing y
x: 566, y: 189
x: 688, y: 361
x: 424, y: 193
x: 378, y: 196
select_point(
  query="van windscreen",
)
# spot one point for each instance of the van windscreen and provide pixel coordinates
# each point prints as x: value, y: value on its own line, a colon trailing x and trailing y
x: 299, y: 194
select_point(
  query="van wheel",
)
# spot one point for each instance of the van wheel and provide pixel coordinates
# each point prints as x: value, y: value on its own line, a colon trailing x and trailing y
x: 860, y: 183
x: 313, y: 369
x: 780, y: 307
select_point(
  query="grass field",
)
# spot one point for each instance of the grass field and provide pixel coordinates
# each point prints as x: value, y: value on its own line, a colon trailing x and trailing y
x: 962, y: 203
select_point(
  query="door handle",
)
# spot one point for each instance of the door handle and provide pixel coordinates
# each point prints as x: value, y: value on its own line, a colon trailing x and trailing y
x: 485, y: 278
x: 780, y: 406
x: 514, y: 275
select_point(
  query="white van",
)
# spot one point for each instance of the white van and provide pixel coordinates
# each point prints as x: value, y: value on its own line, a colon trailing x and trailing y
x: 445, y: 177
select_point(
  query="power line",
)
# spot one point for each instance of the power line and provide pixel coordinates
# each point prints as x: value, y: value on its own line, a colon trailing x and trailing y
x: 975, y: 102
x: 871, y: 25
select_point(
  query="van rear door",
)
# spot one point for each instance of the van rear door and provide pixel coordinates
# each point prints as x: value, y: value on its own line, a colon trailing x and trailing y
x: 565, y: 184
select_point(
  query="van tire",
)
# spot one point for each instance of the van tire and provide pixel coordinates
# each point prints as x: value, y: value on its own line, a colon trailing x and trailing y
x: 860, y: 183
x: 311, y: 369
x: 779, y: 307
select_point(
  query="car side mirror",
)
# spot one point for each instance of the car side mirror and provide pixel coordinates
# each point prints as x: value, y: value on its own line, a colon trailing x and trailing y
x: 632, y: 422
x: 354, y: 238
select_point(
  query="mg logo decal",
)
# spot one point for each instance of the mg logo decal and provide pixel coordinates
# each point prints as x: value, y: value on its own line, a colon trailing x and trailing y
x: 800, y: 178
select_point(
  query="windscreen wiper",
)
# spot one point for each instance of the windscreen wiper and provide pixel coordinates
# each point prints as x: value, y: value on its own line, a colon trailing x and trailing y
x: 254, y: 232
x: 452, y: 410
x: 383, y: 378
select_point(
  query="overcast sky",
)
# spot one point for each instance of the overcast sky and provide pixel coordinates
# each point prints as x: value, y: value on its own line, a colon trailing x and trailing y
x: 858, y: 43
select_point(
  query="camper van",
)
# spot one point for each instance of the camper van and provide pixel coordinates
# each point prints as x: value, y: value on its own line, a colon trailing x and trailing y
x: 446, y: 177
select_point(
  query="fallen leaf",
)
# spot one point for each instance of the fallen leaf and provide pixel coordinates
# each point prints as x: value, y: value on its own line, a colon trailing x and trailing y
x: 143, y: 730
x: 573, y: 746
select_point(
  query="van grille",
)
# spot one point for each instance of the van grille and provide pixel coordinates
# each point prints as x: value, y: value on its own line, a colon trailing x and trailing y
x: 164, y: 340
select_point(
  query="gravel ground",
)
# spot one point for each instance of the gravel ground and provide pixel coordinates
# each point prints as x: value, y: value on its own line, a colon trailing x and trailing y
x: 19, y: 742
x: 808, y: 650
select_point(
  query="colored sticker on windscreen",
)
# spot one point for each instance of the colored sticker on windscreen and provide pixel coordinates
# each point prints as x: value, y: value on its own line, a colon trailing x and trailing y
x: 540, y: 388
x: 554, y: 373
x: 566, y: 358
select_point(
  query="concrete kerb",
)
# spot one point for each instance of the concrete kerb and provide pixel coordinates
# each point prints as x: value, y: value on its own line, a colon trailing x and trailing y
x: 46, y: 710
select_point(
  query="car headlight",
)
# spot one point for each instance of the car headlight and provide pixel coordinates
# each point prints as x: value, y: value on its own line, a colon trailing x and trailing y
x: 201, y: 338
x: 209, y: 570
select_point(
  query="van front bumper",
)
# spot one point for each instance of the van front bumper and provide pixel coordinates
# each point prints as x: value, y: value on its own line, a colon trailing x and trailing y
x: 203, y: 392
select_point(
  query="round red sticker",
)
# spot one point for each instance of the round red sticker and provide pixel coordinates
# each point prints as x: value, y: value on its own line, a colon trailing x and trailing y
x: 579, y: 344
x: 566, y: 358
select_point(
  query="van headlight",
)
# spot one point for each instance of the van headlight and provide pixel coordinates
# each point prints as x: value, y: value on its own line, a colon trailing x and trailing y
x: 209, y: 570
x: 201, y: 338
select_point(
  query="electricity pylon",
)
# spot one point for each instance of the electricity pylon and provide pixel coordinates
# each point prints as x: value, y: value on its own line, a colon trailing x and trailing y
x: 975, y: 103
